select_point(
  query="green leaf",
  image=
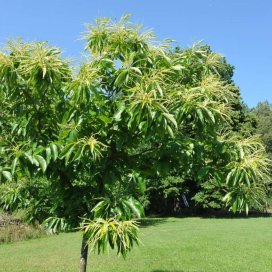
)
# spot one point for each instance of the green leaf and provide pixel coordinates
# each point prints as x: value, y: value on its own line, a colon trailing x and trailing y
x: 54, y: 151
x: 200, y: 116
x: 247, y: 180
x: 136, y: 69
x: 65, y: 150
x: 159, y: 88
x: 171, y: 118
x: 121, y: 78
x: 105, y: 119
x: 13, y: 166
x: 69, y: 153
x: 227, y: 197
x: 29, y: 157
x: 48, y: 154
x: 210, y: 115
x: 178, y: 67
x: 203, y: 172
x: 247, y: 208
x: 42, y: 162
x: 78, y: 153
x: 135, y: 206
x: 7, y: 175
x: 121, y: 108
x: 170, y: 131
x: 44, y: 72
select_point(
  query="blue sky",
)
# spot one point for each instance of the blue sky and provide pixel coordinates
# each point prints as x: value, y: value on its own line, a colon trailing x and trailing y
x: 241, y: 30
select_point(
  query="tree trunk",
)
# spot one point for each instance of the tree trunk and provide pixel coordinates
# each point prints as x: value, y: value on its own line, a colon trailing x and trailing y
x: 83, y: 255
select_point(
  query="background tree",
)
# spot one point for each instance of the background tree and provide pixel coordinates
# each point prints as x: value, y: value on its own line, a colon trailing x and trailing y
x: 263, y: 114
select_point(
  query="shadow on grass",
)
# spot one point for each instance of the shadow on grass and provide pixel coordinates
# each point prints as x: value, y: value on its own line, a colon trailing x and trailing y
x: 148, y: 222
x: 159, y: 270
x: 221, y: 214
x: 154, y: 221
x: 226, y: 215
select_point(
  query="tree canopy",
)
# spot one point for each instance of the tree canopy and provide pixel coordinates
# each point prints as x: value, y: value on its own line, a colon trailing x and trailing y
x: 134, y: 109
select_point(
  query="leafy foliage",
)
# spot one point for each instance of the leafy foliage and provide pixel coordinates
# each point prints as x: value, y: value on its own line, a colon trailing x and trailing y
x: 135, y: 110
x: 121, y: 235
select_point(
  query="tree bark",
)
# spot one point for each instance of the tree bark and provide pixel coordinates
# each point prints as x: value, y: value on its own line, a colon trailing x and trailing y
x: 83, y: 255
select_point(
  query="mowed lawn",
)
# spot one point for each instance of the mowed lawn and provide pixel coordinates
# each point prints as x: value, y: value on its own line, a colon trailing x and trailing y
x: 169, y: 245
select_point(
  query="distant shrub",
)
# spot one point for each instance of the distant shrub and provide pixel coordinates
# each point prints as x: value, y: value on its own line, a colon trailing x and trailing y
x: 13, y: 233
x: 12, y: 230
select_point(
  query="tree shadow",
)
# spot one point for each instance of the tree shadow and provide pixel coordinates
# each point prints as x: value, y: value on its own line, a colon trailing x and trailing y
x: 148, y: 222
x: 154, y: 221
x: 160, y: 270
x: 228, y: 215
x: 222, y: 214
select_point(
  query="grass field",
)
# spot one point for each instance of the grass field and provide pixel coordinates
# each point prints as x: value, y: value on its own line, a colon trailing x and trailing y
x: 169, y: 245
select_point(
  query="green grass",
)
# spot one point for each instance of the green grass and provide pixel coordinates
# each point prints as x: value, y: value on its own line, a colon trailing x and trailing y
x: 169, y: 245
